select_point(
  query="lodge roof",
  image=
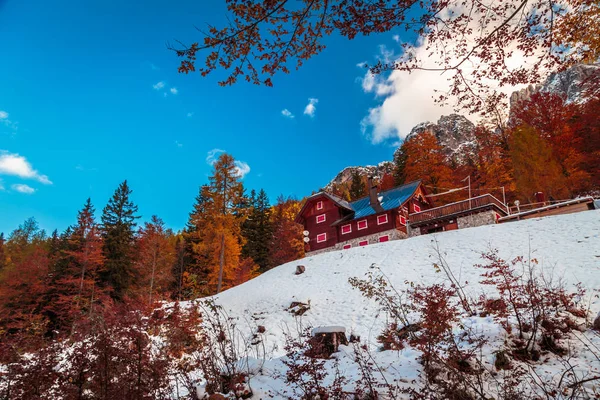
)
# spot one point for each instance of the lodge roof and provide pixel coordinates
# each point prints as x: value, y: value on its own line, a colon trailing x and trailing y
x: 389, y: 199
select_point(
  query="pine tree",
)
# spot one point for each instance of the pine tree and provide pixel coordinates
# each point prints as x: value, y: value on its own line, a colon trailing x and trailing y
x: 400, y: 165
x: 258, y: 231
x: 2, y: 252
x: 180, y: 261
x: 77, y: 262
x: 118, y: 231
x: 357, y: 186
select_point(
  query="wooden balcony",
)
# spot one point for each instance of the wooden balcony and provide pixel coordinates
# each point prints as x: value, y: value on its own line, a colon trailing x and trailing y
x: 460, y: 207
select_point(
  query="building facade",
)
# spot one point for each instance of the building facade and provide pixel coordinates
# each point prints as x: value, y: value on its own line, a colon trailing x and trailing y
x: 335, y: 224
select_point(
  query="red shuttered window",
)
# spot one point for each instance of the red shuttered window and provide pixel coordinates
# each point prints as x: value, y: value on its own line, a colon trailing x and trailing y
x: 321, y: 218
x: 347, y: 246
x: 417, y: 208
x: 402, y: 220
x: 382, y: 219
x: 362, y: 224
x: 346, y: 229
x: 320, y: 205
x: 321, y: 237
x: 384, y: 238
x: 363, y: 243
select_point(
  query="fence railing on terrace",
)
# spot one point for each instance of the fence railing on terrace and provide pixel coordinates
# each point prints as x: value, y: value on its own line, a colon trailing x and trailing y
x: 456, y: 208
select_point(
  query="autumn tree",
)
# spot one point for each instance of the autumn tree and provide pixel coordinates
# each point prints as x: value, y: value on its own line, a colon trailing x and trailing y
x: 258, y: 230
x: 118, y: 232
x: 287, y: 242
x: 357, y: 186
x: 220, y: 241
x: 553, y: 119
x: 387, y: 182
x: 425, y: 161
x: 24, y: 281
x: 155, y: 259
x: 534, y: 166
x: 475, y: 51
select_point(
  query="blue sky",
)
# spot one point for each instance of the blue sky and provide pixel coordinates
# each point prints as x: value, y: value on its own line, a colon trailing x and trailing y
x: 87, y: 99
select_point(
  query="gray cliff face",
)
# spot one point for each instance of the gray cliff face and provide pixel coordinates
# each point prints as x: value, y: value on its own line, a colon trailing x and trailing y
x: 376, y: 171
x: 571, y: 84
x: 455, y: 133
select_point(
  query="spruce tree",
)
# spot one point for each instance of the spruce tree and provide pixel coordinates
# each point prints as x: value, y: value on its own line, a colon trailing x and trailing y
x: 258, y: 231
x: 118, y: 232
x: 2, y: 252
x: 400, y: 159
x: 357, y: 186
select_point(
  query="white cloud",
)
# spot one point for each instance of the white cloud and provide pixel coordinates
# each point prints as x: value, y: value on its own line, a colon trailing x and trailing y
x: 178, y: 144
x: 1, y: 186
x: 407, y: 99
x: 311, y: 108
x: 158, y: 85
x: 14, y: 164
x: 287, y: 113
x: 173, y: 90
x: 22, y: 188
x: 3, y: 115
x: 212, y: 155
x: 242, y: 168
x: 190, y: 114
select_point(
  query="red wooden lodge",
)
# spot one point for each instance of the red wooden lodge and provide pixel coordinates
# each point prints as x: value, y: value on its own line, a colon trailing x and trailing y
x: 331, y: 223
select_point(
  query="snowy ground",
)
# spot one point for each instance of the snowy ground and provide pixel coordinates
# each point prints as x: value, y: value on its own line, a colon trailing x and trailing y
x: 567, y: 247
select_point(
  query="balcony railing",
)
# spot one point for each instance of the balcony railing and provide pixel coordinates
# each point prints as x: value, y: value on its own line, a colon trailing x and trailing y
x: 457, y: 208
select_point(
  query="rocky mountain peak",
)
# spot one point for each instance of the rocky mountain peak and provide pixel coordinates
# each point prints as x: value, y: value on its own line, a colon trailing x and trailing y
x: 377, y: 171
x: 455, y: 133
x: 570, y: 84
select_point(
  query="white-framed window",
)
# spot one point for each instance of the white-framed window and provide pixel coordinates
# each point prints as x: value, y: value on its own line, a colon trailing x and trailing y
x: 362, y: 224
x: 402, y: 220
x: 363, y: 243
x: 321, y: 218
x: 346, y: 229
x: 321, y: 237
x: 319, y: 205
x: 382, y: 219
x: 417, y: 208
x: 384, y: 238
x: 347, y: 246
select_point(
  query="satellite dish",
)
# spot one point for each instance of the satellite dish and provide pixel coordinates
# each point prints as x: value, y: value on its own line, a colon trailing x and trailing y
x: 306, y: 240
x: 305, y: 233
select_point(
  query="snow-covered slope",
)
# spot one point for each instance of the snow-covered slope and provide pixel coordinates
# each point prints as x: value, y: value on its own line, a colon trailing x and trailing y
x: 566, y: 246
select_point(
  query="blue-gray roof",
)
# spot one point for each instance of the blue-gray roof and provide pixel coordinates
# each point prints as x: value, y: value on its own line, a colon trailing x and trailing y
x: 389, y: 199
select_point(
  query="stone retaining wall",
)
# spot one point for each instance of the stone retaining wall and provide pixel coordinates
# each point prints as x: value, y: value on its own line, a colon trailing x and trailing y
x: 394, y: 234
x: 483, y: 218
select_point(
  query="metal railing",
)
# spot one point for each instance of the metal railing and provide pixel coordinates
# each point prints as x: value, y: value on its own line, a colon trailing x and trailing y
x: 456, y: 208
